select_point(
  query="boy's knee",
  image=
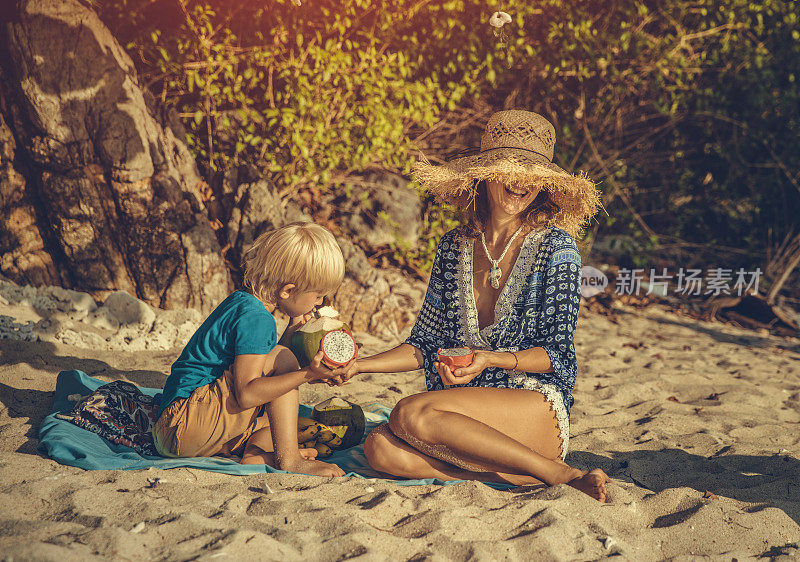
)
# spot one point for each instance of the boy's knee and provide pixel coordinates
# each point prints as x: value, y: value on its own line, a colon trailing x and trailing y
x: 283, y: 361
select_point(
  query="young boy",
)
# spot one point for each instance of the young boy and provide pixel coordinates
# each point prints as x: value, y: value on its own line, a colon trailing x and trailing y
x: 234, y: 364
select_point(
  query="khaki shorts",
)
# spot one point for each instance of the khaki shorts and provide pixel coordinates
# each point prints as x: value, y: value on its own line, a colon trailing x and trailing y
x: 206, y: 423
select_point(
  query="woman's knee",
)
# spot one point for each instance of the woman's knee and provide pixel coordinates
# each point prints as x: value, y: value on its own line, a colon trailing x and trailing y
x: 375, y: 446
x: 412, y: 415
x: 382, y: 454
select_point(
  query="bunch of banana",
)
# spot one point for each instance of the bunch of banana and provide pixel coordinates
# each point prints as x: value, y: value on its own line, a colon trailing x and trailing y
x: 312, y: 434
x: 307, y: 429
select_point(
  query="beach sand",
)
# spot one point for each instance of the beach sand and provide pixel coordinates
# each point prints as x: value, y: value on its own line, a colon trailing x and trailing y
x: 698, y: 425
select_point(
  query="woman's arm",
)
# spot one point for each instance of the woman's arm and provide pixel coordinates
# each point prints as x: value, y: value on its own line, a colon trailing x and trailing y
x: 404, y: 357
x: 560, y: 307
x: 429, y: 333
x: 533, y: 360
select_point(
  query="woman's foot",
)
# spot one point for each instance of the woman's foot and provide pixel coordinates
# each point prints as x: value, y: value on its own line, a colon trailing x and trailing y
x: 309, y: 466
x: 592, y: 483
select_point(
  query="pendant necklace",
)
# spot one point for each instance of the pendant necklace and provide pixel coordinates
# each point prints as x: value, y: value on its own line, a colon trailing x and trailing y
x: 495, y: 273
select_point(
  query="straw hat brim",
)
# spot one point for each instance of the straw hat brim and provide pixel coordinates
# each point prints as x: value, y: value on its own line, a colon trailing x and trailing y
x: 576, y: 195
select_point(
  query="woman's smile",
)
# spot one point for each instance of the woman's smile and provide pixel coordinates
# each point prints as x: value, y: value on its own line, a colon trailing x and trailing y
x: 511, y: 199
x: 516, y: 193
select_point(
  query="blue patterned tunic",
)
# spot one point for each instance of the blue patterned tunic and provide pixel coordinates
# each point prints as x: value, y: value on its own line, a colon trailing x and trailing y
x: 538, y: 307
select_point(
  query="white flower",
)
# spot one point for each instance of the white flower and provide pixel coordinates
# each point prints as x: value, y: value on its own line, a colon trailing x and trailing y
x: 499, y: 19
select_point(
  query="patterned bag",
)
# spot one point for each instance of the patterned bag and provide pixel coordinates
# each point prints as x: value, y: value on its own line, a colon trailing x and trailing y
x: 120, y: 412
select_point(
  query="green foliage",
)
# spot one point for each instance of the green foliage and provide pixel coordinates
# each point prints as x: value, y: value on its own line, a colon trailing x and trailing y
x: 306, y: 105
x: 688, y: 111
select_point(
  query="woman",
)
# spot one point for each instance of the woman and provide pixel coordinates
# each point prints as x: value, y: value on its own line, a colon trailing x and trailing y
x: 506, y: 285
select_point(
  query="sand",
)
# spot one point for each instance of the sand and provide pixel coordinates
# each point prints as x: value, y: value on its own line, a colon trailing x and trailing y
x: 698, y: 424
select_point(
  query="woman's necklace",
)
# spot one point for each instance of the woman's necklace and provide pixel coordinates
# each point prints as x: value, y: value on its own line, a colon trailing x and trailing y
x: 495, y: 273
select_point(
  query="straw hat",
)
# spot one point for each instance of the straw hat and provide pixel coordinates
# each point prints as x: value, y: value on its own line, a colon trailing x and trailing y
x: 516, y: 149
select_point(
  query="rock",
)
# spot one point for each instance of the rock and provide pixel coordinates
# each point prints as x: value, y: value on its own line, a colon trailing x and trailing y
x: 384, y: 303
x: 21, y: 244
x: 72, y: 318
x: 256, y: 209
x: 48, y: 301
x: 381, y: 209
x: 18, y: 331
x: 82, y: 339
x: 107, y: 198
x: 76, y: 303
x: 356, y: 264
x: 172, y: 329
x: 129, y: 310
x: 102, y: 319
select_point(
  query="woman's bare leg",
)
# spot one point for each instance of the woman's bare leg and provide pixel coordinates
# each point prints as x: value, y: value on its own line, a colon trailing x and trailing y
x: 278, y: 440
x: 390, y: 455
x: 498, y: 430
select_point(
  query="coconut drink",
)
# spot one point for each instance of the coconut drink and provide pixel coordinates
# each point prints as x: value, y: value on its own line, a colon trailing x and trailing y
x: 326, y: 333
x: 345, y: 421
x: 456, y: 357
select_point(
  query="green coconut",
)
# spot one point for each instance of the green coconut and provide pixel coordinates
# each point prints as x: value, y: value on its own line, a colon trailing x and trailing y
x: 337, y: 412
x: 306, y: 340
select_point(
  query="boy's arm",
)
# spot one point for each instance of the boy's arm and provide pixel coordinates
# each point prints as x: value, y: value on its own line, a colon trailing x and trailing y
x: 251, y: 389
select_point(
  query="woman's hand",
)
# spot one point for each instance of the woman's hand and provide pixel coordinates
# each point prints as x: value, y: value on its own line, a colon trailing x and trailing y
x: 343, y: 374
x: 482, y: 360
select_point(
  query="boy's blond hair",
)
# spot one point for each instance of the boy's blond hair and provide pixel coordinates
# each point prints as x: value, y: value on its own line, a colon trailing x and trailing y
x: 302, y: 253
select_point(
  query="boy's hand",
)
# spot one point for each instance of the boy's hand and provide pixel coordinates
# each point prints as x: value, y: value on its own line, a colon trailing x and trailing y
x: 298, y: 321
x: 344, y: 373
x: 317, y: 371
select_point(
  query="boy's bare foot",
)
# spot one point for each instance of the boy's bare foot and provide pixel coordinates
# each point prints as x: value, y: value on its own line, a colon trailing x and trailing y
x: 309, y: 454
x: 255, y: 455
x: 306, y: 466
x: 592, y: 483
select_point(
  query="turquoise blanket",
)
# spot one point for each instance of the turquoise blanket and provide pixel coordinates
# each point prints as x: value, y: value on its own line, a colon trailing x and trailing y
x: 71, y: 445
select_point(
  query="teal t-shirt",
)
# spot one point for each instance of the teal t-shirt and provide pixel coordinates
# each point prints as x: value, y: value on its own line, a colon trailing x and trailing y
x: 239, y: 325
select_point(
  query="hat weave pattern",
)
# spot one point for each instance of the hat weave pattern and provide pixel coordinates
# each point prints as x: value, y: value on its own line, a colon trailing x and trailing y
x: 517, y: 129
x: 516, y: 148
